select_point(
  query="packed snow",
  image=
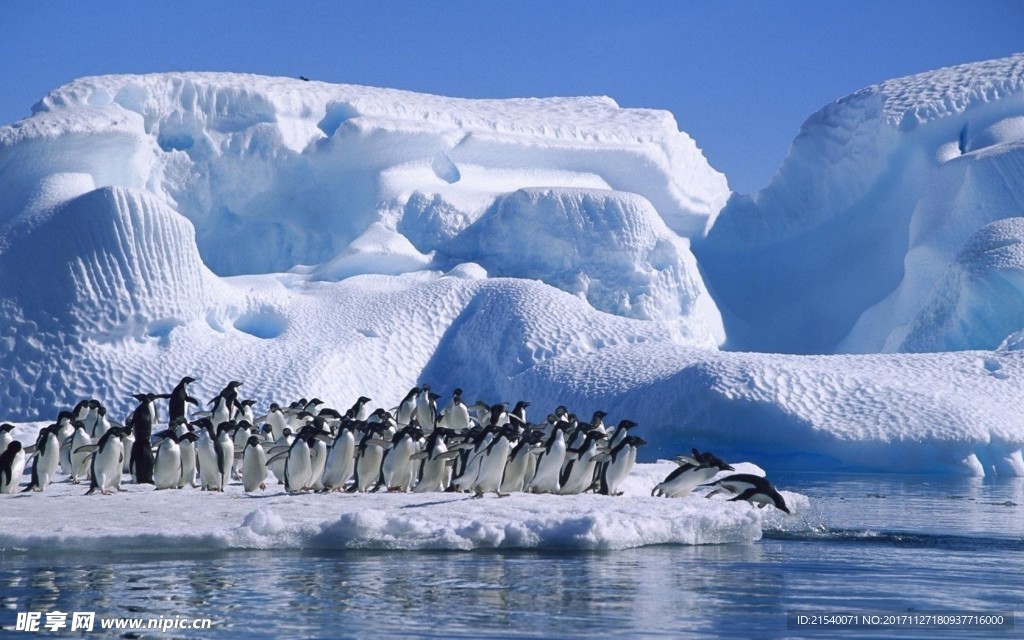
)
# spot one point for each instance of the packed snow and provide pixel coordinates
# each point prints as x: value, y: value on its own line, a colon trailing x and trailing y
x: 335, y: 241
x: 141, y: 519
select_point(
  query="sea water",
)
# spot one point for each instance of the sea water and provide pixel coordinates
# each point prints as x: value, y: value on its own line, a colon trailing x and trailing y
x: 869, y: 544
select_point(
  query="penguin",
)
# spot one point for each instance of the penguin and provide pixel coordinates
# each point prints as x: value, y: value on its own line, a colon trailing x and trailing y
x: 180, y: 399
x: 578, y: 474
x: 492, y: 465
x: 140, y: 459
x: 519, y: 412
x: 360, y: 411
x: 396, y: 468
x: 613, y: 472
x: 46, y: 456
x: 106, y: 461
x: 91, y: 417
x: 426, y: 409
x: 597, y: 422
x: 369, y: 456
x: 79, y: 462
x: 435, y: 472
x: 103, y: 424
x: 753, y: 489
x: 473, y: 450
x: 320, y: 435
x: 282, y: 443
x: 206, y: 455
x: 66, y: 428
x: 225, y: 404
x: 12, y: 465
x: 407, y: 408
x: 341, y: 459
x: 188, y: 452
x: 549, y: 463
x: 167, y: 463
x: 520, y: 461
x: 456, y: 416
x: 5, y: 435
x: 298, y: 468
x: 254, y: 465
x: 224, y: 449
x: 614, y: 440
x: 240, y: 437
x: 276, y: 419
x: 692, y: 471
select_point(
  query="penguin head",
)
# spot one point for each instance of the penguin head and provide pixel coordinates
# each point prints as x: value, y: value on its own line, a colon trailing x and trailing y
x: 7, y: 426
x: 187, y: 380
x: 13, y: 448
x: 253, y: 441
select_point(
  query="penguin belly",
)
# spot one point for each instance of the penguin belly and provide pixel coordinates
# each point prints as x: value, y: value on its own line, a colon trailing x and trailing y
x: 254, y: 468
x: 167, y: 467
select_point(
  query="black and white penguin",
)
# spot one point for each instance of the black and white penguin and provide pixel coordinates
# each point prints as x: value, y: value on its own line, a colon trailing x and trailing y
x: 206, y: 455
x: 46, y: 458
x: 426, y: 409
x: 278, y: 422
x: 180, y: 399
x: 518, y: 413
x: 5, y: 435
x: 407, y: 408
x: 456, y: 415
x: 692, y: 471
x: 493, y: 461
x: 578, y: 474
x: 188, y: 452
x: 298, y: 467
x: 79, y: 461
x: 341, y: 459
x: 12, y: 465
x: 546, y: 479
x: 254, y: 465
x: 226, y: 403
x: 167, y: 463
x: 397, y: 465
x: 282, y: 443
x: 522, y: 461
x: 107, y: 461
x: 140, y: 457
x: 360, y: 411
x: 752, y: 488
x: 623, y: 458
x: 224, y: 449
x: 370, y: 456
x: 436, y: 468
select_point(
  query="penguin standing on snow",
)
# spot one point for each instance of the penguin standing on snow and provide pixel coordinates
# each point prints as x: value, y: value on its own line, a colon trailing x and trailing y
x: 167, y: 464
x: 254, y: 465
x: 360, y: 411
x: 140, y: 461
x: 546, y: 479
x: 341, y: 459
x: 12, y: 465
x: 623, y: 458
x: 226, y: 403
x: 46, y: 456
x: 107, y: 459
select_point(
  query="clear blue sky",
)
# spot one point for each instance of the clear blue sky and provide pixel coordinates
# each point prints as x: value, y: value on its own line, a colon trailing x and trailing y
x: 739, y: 75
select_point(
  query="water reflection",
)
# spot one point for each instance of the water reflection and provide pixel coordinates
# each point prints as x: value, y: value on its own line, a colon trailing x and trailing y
x: 884, y: 544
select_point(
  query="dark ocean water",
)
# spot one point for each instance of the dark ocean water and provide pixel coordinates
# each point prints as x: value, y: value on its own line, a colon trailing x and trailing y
x: 870, y: 544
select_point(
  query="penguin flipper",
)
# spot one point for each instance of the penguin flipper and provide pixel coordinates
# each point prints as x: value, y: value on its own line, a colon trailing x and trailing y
x: 91, y: 448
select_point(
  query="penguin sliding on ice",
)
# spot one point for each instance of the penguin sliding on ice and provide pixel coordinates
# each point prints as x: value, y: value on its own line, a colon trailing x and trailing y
x: 693, y: 471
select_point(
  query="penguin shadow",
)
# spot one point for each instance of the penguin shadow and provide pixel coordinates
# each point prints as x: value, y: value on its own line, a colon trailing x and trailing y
x: 436, y: 503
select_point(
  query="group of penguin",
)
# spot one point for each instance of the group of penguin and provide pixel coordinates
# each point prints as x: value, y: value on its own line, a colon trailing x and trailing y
x: 307, y: 446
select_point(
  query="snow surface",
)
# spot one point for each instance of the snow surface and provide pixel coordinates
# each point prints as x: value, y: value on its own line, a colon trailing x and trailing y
x: 337, y: 241
x: 142, y: 519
